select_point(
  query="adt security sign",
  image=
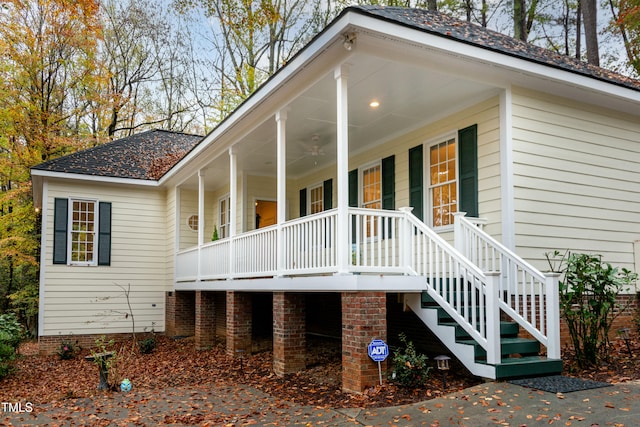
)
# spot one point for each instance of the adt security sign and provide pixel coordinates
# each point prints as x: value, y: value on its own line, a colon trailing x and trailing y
x: 378, y: 350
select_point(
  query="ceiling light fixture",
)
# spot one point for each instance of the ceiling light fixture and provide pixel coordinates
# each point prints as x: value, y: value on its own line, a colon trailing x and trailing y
x: 374, y: 104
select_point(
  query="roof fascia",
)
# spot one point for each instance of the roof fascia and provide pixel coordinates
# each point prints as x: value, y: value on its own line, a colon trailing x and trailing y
x: 40, y: 174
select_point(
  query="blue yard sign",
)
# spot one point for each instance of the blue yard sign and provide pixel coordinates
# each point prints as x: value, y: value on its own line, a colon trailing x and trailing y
x: 378, y: 350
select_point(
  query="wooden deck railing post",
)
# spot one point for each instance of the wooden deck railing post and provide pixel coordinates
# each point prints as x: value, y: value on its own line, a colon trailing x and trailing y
x: 493, y: 318
x: 405, y: 239
x: 553, y: 315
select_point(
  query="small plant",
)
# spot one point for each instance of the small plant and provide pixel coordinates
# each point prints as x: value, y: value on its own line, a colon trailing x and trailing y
x: 67, y: 350
x: 147, y: 345
x: 588, y: 301
x: 409, y: 367
x: 11, y: 333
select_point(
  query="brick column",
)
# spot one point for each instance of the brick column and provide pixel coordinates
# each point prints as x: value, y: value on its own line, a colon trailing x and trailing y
x: 180, y: 313
x: 205, y: 323
x: 364, y: 318
x: 289, y: 333
x: 239, y: 318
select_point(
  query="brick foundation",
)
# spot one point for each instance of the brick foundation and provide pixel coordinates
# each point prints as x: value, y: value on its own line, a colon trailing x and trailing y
x: 180, y: 313
x: 205, y: 320
x: 50, y: 344
x: 289, y: 333
x: 364, y: 318
x: 239, y: 323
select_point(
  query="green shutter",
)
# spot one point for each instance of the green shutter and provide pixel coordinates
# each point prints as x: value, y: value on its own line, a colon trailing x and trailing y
x: 388, y: 183
x: 468, y: 173
x: 303, y: 202
x: 353, y: 188
x: 353, y: 199
x: 60, y: 221
x: 104, y: 233
x: 327, y: 195
x: 416, y: 181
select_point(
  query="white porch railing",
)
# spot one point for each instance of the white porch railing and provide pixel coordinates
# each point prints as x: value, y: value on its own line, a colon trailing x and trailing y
x: 472, y: 283
x: 528, y: 296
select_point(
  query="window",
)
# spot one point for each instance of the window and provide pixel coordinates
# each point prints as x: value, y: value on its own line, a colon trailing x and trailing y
x: 83, y: 231
x: 192, y: 222
x: 224, y: 215
x: 443, y: 184
x: 316, y: 200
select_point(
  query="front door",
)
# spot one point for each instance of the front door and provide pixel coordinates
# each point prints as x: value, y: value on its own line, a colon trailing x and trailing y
x: 266, y: 213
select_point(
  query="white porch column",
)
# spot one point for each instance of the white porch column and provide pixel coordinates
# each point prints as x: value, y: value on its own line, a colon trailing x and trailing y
x: 233, y: 205
x: 506, y: 169
x: 341, y: 75
x: 201, y: 175
x: 281, y: 127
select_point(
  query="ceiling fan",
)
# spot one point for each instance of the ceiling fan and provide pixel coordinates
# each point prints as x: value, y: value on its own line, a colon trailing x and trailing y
x: 315, y: 147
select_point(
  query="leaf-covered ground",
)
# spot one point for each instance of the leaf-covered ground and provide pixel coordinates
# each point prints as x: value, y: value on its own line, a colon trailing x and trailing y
x: 175, y: 363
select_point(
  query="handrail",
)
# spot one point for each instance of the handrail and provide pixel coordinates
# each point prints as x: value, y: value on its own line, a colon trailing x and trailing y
x: 527, y: 295
x: 456, y: 284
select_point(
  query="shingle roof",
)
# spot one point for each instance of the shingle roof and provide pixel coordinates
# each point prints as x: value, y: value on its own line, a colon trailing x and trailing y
x: 147, y: 155
x: 466, y: 32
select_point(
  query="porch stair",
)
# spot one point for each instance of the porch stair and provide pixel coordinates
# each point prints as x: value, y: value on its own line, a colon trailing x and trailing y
x: 519, y: 356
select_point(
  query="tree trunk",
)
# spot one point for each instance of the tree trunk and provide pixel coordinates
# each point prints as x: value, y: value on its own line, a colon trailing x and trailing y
x: 432, y: 5
x: 589, y: 16
x: 520, y: 20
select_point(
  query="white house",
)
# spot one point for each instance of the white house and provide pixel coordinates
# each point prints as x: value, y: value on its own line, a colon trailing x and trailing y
x: 338, y: 194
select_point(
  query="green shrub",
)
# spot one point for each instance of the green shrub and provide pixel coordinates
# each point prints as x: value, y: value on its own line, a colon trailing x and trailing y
x: 11, y: 333
x: 67, y: 350
x: 409, y: 368
x: 147, y: 345
x: 588, y: 301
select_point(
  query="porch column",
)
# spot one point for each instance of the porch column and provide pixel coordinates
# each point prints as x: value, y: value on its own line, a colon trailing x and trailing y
x: 364, y: 318
x: 289, y: 333
x: 506, y: 169
x: 205, y: 322
x: 233, y: 205
x: 180, y: 313
x: 200, y: 219
x: 341, y: 75
x: 239, y: 323
x: 281, y: 121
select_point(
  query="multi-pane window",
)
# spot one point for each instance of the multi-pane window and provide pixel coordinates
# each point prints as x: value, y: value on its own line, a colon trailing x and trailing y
x: 83, y: 231
x: 316, y: 199
x: 224, y: 216
x: 443, y: 185
x: 372, y: 195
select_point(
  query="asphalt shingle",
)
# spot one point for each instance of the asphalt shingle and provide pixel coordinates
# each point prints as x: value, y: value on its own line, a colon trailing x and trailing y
x: 147, y: 156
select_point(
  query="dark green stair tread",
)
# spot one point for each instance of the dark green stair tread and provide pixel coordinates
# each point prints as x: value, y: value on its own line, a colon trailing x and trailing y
x: 507, y: 329
x: 508, y: 346
x: 530, y: 366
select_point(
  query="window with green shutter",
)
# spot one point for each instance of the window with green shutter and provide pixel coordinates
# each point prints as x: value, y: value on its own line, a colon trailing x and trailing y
x: 82, y: 232
x: 452, y: 177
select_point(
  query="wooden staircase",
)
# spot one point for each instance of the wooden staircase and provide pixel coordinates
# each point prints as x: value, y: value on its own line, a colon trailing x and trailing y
x: 520, y: 357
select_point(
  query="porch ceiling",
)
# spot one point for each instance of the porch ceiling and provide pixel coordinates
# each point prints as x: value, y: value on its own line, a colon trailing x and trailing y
x: 410, y: 96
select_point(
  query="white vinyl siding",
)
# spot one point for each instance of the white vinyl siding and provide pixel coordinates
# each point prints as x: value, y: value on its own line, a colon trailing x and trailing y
x: 88, y: 300
x: 577, y: 184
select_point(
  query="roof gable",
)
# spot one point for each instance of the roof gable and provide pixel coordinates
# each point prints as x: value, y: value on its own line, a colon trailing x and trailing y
x: 145, y: 156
